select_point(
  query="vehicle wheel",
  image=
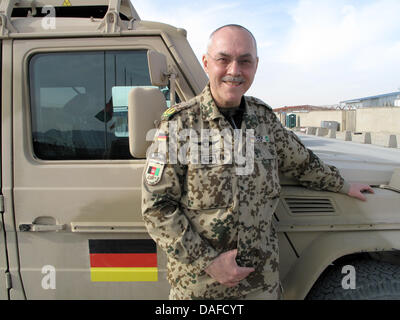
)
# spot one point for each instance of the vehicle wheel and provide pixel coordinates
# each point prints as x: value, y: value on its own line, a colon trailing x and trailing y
x: 374, y: 280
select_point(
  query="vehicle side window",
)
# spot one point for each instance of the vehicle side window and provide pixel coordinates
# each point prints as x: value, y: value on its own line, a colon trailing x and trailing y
x: 79, y: 103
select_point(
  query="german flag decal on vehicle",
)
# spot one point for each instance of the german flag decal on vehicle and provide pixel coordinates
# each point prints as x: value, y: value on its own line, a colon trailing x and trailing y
x: 123, y: 260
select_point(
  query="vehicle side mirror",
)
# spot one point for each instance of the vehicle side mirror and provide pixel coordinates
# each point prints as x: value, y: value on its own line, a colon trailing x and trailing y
x: 158, y: 68
x: 145, y: 107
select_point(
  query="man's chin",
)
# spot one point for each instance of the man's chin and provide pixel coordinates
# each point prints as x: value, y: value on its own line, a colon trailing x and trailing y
x: 233, y: 97
x: 229, y: 103
x: 229, y: 96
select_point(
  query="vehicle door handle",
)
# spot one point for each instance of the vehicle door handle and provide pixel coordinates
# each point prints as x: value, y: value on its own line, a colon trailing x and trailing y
x: 42, y: 224
x: 40, y: 227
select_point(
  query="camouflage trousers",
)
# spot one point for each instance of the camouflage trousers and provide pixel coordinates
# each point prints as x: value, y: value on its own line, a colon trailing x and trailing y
x: 275, y: 293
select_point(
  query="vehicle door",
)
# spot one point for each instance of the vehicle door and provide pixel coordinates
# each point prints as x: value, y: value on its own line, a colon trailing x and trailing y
x: 77, y: 189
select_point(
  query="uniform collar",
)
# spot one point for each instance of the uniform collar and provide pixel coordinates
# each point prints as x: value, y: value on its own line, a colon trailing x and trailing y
x: 250, y: 117
x: 209, y: 110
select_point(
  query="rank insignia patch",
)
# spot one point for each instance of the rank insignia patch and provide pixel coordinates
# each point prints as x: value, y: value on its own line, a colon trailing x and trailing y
x: 262, y: 139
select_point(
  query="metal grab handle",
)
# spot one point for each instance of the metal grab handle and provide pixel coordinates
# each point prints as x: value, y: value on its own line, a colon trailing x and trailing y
x: 108, y: 227
x: 41, y: 227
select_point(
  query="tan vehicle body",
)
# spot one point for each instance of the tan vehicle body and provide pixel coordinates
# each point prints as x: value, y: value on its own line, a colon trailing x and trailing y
x: 50, y: 209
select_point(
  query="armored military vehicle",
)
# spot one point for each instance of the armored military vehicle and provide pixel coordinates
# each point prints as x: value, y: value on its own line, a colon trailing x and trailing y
x: 83, y: 82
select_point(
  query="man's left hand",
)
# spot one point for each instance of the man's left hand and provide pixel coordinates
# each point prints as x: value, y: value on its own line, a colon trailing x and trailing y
x: 356, y: 190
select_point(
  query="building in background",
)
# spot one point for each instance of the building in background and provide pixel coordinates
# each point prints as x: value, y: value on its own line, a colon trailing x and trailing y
x: 380, y: 113
x: 382, y: 100
x: 290, y: 115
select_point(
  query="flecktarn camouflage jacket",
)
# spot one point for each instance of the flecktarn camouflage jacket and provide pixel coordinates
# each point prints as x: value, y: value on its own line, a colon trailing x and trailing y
x: 200, y: 199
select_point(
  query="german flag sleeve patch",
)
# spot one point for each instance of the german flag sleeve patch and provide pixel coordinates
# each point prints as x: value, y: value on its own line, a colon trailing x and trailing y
x: 123, y: 260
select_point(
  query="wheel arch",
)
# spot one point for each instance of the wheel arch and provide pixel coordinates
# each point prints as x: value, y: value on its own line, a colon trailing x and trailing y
x: 329, y: 247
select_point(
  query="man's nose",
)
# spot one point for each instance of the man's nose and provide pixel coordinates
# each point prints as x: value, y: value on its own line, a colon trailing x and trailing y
x: 234, y: 68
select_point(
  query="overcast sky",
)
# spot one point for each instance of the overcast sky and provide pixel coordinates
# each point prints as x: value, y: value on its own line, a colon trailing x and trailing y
x: 316, y: 52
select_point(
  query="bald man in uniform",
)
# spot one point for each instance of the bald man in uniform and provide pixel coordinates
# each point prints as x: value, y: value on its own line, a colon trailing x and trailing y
x: 214, y: 217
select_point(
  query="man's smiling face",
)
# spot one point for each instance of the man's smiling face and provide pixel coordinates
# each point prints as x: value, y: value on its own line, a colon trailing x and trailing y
x: 231, y: 63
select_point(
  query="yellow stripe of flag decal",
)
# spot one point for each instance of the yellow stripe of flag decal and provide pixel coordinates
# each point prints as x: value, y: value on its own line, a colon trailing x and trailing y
x: 123, y: 274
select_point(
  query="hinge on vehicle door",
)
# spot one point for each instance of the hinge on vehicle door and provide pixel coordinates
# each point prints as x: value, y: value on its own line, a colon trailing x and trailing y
x: 8, y: 280
x: 1, y: 203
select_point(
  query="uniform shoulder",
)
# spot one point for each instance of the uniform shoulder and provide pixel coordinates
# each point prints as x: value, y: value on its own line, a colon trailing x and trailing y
x: 258, y: 102
x: 175, y: 109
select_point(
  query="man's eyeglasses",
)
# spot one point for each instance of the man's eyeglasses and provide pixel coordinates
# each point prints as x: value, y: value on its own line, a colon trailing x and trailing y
x: 246, y: 61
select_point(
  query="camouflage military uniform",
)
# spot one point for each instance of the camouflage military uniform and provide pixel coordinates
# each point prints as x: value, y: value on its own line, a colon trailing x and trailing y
x: 195, y: 212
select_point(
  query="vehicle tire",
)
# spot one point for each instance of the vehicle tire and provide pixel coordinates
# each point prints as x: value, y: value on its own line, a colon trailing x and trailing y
x: 374, y: 280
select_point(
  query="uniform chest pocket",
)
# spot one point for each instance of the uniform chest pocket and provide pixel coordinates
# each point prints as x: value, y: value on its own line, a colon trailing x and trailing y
x: 266, y: 171
x: 209, y: 186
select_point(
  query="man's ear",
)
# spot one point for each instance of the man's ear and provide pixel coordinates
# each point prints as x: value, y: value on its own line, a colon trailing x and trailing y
x: 205, y: 63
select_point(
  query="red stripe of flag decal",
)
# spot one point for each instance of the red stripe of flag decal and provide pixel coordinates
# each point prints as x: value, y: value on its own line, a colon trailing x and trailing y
x: 123, y: 260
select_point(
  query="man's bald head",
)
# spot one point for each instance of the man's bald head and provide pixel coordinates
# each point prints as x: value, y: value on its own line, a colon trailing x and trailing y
x: 232, y: 26
x: 231, y: 63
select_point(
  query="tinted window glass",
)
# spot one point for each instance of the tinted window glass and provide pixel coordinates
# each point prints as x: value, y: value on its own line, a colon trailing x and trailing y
x: 79, y: 103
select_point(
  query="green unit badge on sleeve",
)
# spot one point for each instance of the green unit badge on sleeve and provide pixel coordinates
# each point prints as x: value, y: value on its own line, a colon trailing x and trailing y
x: 169, y: 112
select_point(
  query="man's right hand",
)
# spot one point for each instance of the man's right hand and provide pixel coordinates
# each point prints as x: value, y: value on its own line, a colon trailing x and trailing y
x: 225, y: 270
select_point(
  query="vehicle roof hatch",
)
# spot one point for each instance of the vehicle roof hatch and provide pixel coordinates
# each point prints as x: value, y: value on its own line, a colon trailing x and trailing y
x: 111, y: 11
